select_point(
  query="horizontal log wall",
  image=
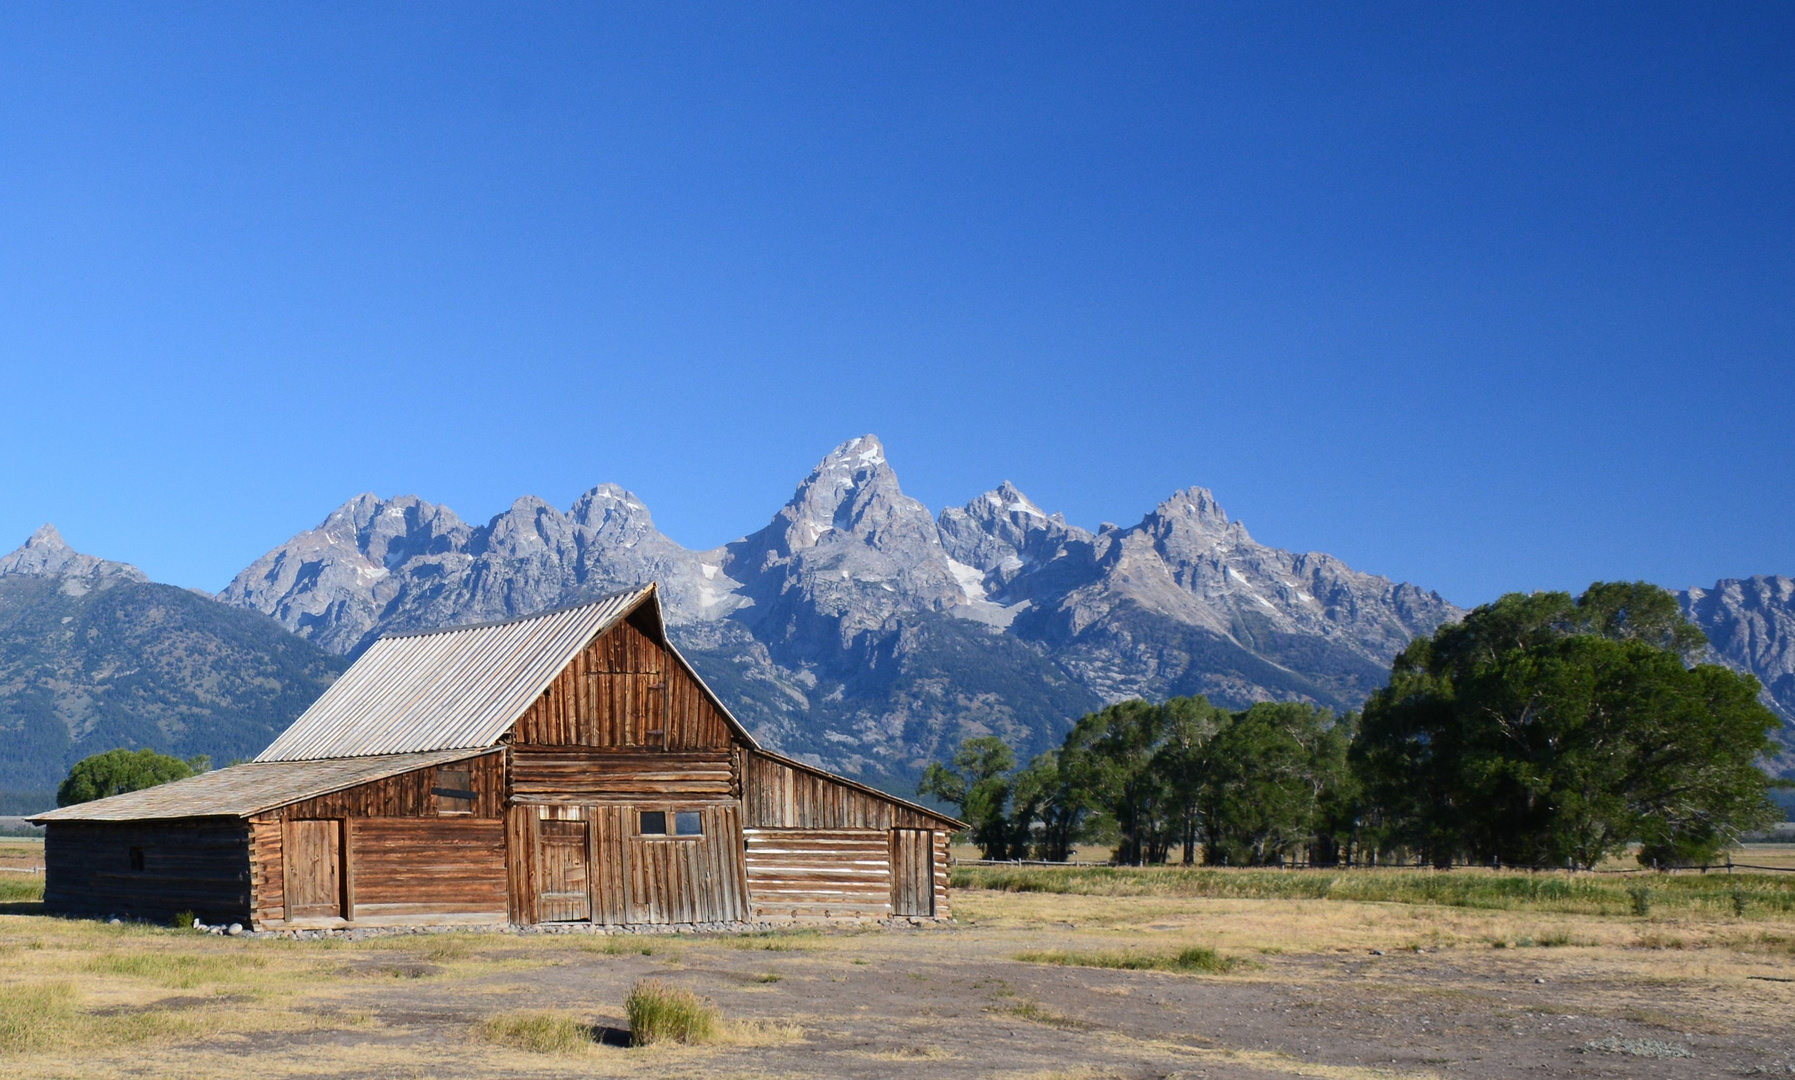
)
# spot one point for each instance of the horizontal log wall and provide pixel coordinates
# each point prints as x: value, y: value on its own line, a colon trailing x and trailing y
x: 194, y: 865
x: 779, y: 796
x: 625, y: 690
x: 407, y: 795
x: 818, y: 872
x: 942, y: 838
x: 267, y: 870
x: 585, y: 774
x: 428, y: 866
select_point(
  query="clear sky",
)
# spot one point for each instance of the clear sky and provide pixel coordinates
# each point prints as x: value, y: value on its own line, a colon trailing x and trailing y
x: 1483, y: 297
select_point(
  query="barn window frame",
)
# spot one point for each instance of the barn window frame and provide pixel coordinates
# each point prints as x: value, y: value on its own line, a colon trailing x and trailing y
x: 671, y: 823
x: 134, y: 857
x: 454, y: 792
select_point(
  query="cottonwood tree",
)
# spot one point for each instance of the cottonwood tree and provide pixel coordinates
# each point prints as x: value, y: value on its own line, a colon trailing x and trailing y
x: 1550, y: 731
x: 978, y: 782
x: 1272, y: 770
x: 118, y: 771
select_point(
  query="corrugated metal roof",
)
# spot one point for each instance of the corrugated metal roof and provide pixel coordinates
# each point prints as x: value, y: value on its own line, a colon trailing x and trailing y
x: 242, y: 790
x: 462, y: 687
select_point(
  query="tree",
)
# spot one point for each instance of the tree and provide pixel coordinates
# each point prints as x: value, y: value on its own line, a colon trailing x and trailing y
x: 1114, y: 751
x: 1049, y: 794
x: 1184, y: 759
x: 118, y: 771
x: 1549, y: 731
x: 1271, y: 771
x: 980, y: 785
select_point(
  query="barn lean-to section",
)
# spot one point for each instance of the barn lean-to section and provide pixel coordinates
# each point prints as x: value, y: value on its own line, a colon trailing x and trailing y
x: 564, y: 768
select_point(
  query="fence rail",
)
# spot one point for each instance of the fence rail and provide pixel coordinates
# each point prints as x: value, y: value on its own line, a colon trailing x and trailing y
x: 1715, y: 868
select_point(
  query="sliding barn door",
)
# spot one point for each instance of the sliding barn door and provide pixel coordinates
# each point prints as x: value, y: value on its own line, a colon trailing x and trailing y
x: 563, y: 872
x: 913, y: 872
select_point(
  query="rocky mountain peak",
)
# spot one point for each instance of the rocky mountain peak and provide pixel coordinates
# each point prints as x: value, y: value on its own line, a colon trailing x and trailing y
x: 1194, y: 511
x: 1750, y: 623
x: 852, y: 495
x: 1003, y: 532
x: 46, y: 554
x: 848, y: 553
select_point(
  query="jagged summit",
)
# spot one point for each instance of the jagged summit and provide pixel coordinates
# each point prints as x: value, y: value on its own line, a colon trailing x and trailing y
x: 857, y: 626
x: 848, y: 553
x: 46, y: 554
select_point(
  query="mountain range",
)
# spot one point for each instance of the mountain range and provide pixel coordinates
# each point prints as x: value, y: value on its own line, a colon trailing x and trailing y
x: 862, y: 630
x: 859, y: 630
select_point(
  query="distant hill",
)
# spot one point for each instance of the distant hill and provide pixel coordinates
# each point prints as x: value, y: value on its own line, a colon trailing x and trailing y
x: 94, y: 656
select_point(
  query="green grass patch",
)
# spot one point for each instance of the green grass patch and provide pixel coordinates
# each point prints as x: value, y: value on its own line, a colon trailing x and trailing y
x: 776, y: 940
x: 1195, y: 960
x: 1036, y: 1013
x: 37, y: 1017
x: 661, y: 1013
x: 1762, y: 895
x: 48, y: 1017
x: 538, y: 1032
x: 177, y: 970
x: 21, y: 890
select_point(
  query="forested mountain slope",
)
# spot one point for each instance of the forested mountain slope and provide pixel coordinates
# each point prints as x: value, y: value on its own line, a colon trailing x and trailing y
x: 94, y: 656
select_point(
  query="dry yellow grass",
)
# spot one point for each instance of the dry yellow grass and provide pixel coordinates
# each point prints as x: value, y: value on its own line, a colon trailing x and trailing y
x: 83, y: 999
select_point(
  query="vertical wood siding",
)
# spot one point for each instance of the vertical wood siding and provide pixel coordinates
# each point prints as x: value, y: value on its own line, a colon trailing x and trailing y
x: 624, y: 690
x: 680, y: 880
x: 631, y: 879
x: 610, y: 876
x: 313, y: 853
x: 913, y: 872
x: 196, y: 865
x: 779, y: 796
x: 819, y: 872
x: 520, y: 863
x: 408, y: 794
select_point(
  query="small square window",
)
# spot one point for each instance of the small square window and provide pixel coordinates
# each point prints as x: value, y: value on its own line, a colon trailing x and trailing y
x: 454, y: 791
x: 654, y: 823
x: 137, y: 858
x: 688, y: 823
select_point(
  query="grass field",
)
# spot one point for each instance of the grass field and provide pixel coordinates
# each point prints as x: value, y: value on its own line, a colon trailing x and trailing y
x: 1748, y: 894
x: 1046, y: 974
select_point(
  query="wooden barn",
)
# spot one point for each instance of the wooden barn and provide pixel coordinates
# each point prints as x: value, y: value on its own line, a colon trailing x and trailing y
x: 568, y: 767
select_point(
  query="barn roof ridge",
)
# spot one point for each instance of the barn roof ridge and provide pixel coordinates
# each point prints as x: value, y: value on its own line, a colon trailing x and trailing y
x: 509, y: 620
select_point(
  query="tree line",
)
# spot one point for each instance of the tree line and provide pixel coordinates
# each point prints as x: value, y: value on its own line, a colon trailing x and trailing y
x: 1542, y: 730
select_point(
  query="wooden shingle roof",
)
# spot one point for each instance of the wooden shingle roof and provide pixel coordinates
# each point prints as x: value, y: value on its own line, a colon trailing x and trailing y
x: 243, y: 790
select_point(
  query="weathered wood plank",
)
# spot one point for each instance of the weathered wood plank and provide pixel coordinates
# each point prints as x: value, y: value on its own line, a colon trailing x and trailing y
x: 202, y: 866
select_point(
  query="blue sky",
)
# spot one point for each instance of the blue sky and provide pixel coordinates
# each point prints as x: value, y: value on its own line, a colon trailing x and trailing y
x: 1484, y: 297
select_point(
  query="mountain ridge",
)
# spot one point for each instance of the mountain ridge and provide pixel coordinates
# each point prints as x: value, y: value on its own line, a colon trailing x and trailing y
x: 854, y: 630
x: 838, y: 618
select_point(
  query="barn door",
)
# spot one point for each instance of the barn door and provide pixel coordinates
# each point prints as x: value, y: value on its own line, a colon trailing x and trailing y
x: 313, y: 856
x: 913, y: 872
x: 562, y: 870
